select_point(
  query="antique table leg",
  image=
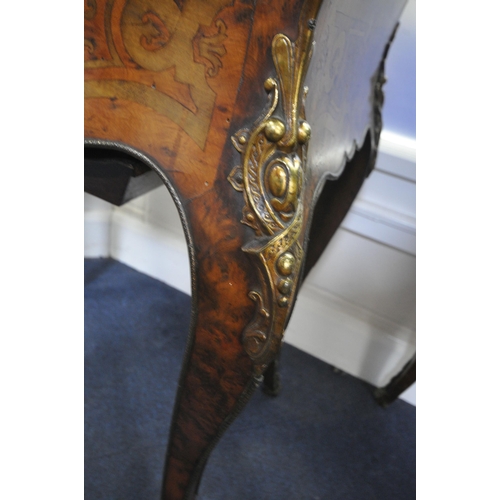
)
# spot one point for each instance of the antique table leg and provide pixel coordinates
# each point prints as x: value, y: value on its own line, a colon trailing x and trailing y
x: 220, y: 374
x: 218, y: 377
x: 247, y: 245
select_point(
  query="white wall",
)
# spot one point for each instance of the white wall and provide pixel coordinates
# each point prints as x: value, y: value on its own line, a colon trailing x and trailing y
x: 356, y: 309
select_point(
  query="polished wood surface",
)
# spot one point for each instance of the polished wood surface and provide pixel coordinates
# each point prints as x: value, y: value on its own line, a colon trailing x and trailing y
x: 183, y: 87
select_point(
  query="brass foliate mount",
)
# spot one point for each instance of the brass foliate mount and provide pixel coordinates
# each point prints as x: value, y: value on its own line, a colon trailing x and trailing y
x: 271, y: 177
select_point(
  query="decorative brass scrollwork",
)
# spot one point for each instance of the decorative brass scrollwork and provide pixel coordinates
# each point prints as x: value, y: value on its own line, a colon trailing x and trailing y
x: 271, y: 178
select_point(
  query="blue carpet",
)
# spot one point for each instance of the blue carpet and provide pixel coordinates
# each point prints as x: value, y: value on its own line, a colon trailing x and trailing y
x: 323, y: 437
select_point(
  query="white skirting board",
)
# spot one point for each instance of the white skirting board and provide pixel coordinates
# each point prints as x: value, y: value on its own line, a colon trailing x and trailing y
x: 97, y: 234
x: 349, y: 337
x: 352, y: 338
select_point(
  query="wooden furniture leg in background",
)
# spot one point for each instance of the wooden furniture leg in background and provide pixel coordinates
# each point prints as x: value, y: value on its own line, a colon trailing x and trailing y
x: 398, y: 384
x: 218, y: 376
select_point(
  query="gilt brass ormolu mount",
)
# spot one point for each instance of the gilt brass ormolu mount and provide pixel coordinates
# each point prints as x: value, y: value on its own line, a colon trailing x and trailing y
x: 271, y: 177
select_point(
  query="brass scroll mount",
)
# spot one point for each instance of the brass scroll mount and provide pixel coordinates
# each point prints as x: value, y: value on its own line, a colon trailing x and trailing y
x: 271, y: 178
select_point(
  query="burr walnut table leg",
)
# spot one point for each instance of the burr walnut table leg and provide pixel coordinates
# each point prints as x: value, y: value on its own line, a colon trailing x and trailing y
x: 214, y: 387
x: 212, y: 392
x: 218, y: 376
